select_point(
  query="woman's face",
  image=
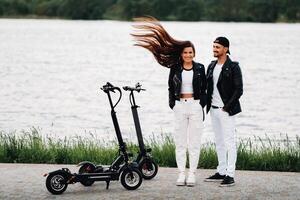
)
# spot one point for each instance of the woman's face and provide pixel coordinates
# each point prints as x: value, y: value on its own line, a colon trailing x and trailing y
x: 187, y: 54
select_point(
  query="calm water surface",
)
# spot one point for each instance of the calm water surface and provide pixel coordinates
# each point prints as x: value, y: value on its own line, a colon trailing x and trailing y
x: 51, y: 72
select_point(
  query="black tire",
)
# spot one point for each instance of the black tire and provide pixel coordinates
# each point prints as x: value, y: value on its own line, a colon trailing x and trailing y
x: 56, y: 183
x: 86, y: 168
x: 148, y: 168
x: 131, y: 179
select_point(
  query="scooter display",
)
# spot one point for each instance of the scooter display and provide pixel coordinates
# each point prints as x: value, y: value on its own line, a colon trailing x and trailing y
x: 121, y: 169
x: 144, y: 159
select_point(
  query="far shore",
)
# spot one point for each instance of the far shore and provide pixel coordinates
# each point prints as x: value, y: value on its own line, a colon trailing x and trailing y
x: 37, y: 17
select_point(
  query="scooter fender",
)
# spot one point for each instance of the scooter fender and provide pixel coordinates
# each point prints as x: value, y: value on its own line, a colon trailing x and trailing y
x: 65, y: 171
x: 86, y: 162
x: 133, y: 164
x: 129, y: 166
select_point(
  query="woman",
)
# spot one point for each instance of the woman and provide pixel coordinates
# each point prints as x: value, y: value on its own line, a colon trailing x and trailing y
x: 187, y: 90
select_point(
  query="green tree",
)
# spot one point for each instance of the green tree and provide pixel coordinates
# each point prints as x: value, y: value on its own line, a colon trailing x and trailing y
x: 85, y: 9
x: 186, y: 10
x: 263, y: 10
x: 292, y: 10
x: 48, y: 8
x: 189, y: 10
x: 3, y: 7
x: 14, y: 7
x: 225, y: 10
x: 163, y: 9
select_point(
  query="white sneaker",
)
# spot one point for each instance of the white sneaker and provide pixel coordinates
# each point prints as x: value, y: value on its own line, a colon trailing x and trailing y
x: 181, y: 179
x: 191, y: 180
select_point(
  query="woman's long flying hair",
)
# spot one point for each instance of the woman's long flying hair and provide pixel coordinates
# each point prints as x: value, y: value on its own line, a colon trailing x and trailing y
x: 151, y: 35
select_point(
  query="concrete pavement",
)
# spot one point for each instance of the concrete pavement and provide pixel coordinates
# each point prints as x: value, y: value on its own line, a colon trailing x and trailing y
x: 25, y: 181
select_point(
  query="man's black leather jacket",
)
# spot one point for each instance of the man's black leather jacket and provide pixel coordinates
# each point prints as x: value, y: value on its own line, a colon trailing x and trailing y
x: 230, y: 86
x: 199, y: 84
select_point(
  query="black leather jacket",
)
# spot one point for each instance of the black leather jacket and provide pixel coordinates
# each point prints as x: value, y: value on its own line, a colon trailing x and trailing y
x: 230, y: 86
x: 199, y: 84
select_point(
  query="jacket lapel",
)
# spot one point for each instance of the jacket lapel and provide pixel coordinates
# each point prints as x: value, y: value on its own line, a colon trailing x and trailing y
x: 195, y: 70
x: 225, y: 65
x: 211, y: 70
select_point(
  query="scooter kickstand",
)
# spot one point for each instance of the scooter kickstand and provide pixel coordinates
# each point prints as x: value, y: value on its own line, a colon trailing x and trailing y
x: 107, y: 184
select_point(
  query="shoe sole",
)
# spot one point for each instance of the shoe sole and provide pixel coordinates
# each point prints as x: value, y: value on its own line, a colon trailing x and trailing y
x: 213, y: 180
x: 180, y: 184
x: 227, y: 185
x: 190, y: 184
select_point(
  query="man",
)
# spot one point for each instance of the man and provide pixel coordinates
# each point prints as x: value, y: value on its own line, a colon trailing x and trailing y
x: 225, y: 87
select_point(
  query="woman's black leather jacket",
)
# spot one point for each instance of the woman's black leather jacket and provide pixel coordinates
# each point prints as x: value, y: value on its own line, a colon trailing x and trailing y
x: 199, y: 84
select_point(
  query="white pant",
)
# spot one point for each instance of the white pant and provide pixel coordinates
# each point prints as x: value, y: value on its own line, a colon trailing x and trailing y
x: 188, y: 131
x: 224, y: 128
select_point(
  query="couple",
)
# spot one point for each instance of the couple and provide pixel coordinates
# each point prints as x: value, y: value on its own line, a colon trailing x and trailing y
x: 190, y: 90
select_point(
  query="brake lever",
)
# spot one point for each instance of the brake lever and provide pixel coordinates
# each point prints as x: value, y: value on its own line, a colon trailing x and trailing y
x: 138, y: 87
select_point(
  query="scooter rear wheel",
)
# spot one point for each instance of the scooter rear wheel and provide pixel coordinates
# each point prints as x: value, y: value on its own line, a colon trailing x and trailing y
x: 56, y: 183
x: 148, y: 168
x: 131, y: 179
x: 86, y: 168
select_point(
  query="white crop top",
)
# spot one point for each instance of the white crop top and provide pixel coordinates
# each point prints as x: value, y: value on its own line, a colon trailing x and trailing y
x: 187, y: 82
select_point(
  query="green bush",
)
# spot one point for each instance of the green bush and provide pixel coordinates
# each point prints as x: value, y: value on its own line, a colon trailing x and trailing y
x: 253, y: 153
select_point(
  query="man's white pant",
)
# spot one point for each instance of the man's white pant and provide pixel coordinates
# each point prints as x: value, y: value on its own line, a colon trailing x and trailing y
x: 188, y: 131
x: 224, y: 128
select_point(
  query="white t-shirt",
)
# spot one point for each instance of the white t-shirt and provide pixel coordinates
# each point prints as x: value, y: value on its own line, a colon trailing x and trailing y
x: 187, y: 82
x: 216, y: 98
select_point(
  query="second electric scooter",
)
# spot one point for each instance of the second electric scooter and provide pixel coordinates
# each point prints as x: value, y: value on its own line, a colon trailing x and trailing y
x: 128, y: 172
x: 146, y: 163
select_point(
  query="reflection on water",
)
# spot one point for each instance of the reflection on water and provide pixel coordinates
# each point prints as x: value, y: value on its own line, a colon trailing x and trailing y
x: 51, y: 72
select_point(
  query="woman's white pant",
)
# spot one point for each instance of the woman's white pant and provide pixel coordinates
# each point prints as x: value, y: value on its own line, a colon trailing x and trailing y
x: 224, y: 128
x: 188, y: 131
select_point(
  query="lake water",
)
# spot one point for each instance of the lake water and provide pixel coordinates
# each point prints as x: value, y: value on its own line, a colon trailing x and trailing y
x: 51, y: 72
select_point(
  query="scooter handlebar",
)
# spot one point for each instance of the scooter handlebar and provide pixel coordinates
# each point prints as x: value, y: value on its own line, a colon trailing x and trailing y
x: 136, y: 88
x: 109, y: 87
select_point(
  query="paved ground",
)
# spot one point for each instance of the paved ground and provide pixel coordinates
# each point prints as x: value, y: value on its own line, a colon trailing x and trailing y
x: 25, y: 181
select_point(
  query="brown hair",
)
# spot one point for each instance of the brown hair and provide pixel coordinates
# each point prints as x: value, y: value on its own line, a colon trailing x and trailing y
x: 151, y: 35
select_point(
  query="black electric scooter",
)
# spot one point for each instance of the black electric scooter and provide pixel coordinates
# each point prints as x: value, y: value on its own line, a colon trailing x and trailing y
x: 146, y: 164
x: 128, y: 172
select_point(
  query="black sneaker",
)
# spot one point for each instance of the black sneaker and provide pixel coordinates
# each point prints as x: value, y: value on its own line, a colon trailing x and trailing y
x: 228, y: 181
x: 215, y: 178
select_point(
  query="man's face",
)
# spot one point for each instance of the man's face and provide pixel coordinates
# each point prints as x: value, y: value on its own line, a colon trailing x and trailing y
x: 219, y: 50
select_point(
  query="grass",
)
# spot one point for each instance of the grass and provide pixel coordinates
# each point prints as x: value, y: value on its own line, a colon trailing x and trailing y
x: 254, y: 153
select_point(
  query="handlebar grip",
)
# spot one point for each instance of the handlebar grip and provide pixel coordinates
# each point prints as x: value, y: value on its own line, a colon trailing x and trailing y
x: 109, y: 87
x: 136, y: 88
x: 109, y: 84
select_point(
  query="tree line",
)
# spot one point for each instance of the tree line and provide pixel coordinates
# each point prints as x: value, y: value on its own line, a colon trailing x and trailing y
x: 168, y: 10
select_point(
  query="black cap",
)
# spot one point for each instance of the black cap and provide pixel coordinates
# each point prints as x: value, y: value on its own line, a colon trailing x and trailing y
x: 223, y: 41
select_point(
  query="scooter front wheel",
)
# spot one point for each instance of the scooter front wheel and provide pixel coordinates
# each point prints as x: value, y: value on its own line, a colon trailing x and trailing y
x: 148, y: 168
x: 56, y: 183
x: 131, y: 179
